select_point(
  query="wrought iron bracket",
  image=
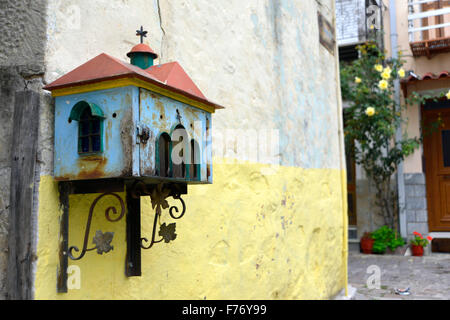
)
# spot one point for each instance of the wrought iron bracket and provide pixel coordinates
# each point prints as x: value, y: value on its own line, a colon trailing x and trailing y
x: 101, y: 240
x: 158, y: 194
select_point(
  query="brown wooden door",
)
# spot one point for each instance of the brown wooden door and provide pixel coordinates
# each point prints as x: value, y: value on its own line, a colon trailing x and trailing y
x: 437, y: 169
x: 351, y: 187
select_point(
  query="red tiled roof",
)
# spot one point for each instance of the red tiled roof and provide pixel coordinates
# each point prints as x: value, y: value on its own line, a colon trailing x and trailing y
x: 428, y: 76
x: 105, y: 67
x: 102, y: 67
x: 173, y: 75
x: 142, y: 47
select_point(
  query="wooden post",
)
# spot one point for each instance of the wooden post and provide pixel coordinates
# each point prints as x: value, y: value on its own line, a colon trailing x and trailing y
x: 133, y: 260
x: 20, y: 233
x: 64, y: 191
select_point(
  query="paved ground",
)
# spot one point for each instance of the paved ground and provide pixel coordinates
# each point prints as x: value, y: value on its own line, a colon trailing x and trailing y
x: 427, y: 277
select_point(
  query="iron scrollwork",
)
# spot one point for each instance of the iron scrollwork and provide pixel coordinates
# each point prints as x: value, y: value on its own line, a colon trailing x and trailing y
x: 101, y: 240
x: 158, y: 196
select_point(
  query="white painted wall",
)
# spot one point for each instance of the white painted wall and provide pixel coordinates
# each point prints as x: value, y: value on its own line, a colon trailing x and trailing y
x: 260, y: 59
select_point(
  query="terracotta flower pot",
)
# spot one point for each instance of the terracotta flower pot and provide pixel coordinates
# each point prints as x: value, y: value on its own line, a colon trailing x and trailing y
x: 417, y: 250
x: 367, y: 245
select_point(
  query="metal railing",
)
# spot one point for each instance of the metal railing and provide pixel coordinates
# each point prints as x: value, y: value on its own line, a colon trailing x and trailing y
x: 427, y: 36
x: 416, y: 16
x: 350, y: 22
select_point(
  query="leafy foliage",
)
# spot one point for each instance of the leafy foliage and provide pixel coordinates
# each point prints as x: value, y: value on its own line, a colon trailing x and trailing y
x: 367, y: 235
x: 417, y: 241
x: 395, y: 243
x: 385, y: 238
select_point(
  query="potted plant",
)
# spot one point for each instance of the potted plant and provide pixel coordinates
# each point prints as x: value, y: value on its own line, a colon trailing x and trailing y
x: 381, y: 236
x: 367, y: 242
x: 395, y: 246
x: 418, y: 243
x: 386, y: 240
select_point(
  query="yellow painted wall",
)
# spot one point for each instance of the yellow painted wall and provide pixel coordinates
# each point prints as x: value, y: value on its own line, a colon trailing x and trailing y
x: 246, y: 236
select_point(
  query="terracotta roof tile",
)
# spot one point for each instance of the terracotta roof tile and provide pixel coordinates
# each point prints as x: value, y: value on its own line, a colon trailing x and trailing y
x: 427, y: 76
x: 142, y: 47
x: 105, y: 67
x: 101, y: 67
x: 173, y: 74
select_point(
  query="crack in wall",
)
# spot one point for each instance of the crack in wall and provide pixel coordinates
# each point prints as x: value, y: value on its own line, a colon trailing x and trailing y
x: 163, y: 32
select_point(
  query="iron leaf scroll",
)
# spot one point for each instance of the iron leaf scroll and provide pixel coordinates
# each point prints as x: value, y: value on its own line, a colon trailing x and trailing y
x: 101, y: 240
x: 158, y: 195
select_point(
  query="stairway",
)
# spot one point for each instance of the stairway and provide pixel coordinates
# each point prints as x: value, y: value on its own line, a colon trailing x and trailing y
x: 353, y: 240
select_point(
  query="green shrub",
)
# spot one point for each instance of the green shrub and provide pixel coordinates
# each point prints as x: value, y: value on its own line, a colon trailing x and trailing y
x: 385, y: 238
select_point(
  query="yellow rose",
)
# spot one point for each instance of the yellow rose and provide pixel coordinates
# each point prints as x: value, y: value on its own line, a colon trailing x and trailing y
x: 448, y: 95
x: 357, y: 80
x: 387, y: 70
x: 386, y: 75
x: 383, y: 84
x: 401, y: 73
x: 370, y: 111
x: 379, y: 67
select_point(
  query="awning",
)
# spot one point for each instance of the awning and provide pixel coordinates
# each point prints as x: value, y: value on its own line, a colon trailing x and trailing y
x: 429, y: 76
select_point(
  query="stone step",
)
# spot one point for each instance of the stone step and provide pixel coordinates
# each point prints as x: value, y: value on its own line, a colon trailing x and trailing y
x: 353, y: 246
x: 352, y: 232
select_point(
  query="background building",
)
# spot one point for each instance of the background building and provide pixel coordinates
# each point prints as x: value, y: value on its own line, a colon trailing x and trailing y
x: 422, y: 35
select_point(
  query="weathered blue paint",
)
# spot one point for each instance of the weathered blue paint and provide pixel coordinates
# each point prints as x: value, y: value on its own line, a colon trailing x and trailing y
x: 78, y: 108
x: 160, y: 114
x: 115, y: 160
x: 258, y: 29
x: 124, y: 154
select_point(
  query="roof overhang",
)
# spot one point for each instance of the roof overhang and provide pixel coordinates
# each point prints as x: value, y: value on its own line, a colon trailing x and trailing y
x: 105, y: 72
x: 137, y: 81
x: 426, y: 78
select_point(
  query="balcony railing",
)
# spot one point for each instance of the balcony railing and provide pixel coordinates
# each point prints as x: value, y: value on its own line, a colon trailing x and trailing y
x: 429, y: 27
x: 351, y: 26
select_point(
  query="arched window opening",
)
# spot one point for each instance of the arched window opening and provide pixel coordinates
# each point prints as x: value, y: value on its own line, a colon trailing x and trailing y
x: 89, y: 132
x: 164, y: 155
x: 90, y: 126
x: 179, y: 146
x: 194, y: 169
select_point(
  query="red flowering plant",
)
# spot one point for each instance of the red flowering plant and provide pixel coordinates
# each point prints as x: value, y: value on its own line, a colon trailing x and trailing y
x: 419, y: 240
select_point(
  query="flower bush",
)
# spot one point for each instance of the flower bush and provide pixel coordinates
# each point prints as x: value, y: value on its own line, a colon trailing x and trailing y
x: 419, y: 240
x: 372, y: 119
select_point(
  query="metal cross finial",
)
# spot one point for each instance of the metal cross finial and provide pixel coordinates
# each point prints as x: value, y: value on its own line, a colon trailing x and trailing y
x: 141, y: 33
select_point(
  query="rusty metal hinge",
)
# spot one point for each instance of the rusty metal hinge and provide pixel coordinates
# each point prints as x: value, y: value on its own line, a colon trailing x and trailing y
x: 143, y: 134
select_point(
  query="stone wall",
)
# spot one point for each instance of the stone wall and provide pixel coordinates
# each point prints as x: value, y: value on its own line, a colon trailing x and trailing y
x: 22, y: 51
x: 416, y: 204
x: 368, y: 217
x: 9, y: 82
